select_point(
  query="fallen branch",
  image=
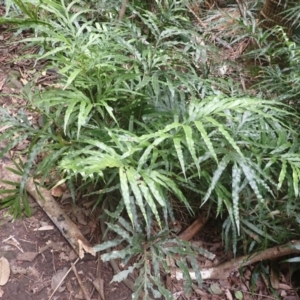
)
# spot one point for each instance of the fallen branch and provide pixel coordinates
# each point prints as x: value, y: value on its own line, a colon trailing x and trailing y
x: 123, y: 10
x: 193, y: 229
x: 64, y: 224
x: 223, y: 271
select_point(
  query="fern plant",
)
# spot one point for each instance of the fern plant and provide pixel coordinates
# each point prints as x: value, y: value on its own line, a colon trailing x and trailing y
x: 282, y: 77
x: 152, y: 255
x: 139, y: 119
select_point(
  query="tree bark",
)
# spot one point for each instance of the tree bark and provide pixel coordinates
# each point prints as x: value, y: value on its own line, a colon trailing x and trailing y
x: 223, y: 271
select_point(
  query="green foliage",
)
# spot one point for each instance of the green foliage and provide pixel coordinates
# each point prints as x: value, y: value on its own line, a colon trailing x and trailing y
x: 157, y: 255
x: 142, y: 116
x: 16, y: 202
x: 282, y: 78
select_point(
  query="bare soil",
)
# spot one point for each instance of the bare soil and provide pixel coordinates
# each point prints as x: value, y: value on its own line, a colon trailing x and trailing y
x: 36, y: 256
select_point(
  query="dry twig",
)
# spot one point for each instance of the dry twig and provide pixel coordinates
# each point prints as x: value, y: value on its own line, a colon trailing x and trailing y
x: 194, y: 228
x: 62, y: 280
x: 123, y: 10
x: 65, y: 225
x: 85, y: 292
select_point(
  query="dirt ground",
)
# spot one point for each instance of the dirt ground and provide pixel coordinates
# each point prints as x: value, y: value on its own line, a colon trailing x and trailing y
x: 39, y: 258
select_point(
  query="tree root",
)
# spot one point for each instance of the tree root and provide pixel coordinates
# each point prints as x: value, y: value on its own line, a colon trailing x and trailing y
x: 64, y: 224
x: 194, y: 228
x: 223, y: 271
x: 123, y: 9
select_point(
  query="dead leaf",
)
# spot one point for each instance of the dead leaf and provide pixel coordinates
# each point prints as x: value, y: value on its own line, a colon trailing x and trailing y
x: 24, y: 81
x: 78, y: 213
x: 215, y: 289
x: 274, y: 279
x: 284, y: 286
x: 12, y: 241
x: 34, y: 272
x: 83, y: 247
x: 54, y: 246
x: 22, y: 146
x: 65, y: 196
x: 63, y: 256
x: 4, y: 270
x: 57, y: 192
x: 27, y: 256
x: 228, y: 294
x: 201, y: 293
x: 99, y: 286
x: 283, y: 293
x: 70, y: 287
x: 216, y: 297
x: 57, y: 279
x: 1, y: 292
x: 18, y: 270
x: 72, y: 255
x: 224, y: 283
x: 176, y: 295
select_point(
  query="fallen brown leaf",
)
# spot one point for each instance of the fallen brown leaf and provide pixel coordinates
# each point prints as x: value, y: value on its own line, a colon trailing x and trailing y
x: 18, y: 270
x: 34, y: 272
x: 27, y: 256
x: 4, y: 270
x: 57, y: 278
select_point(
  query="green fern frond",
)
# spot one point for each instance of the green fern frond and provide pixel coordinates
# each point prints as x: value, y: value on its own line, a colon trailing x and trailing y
x: 150, y: 201
x: 191, y: 145
x: 236, y: 178
x: 125, y: 192
x: 133, y: 179
x: 253, y: 180
x: 295, y: 174
x: 206, y: 139
x: 179, y: 153
x: 257, y: 230
x: 216, y: 176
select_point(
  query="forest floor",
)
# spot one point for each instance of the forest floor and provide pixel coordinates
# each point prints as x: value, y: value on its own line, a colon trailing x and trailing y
x: 40, y: 257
